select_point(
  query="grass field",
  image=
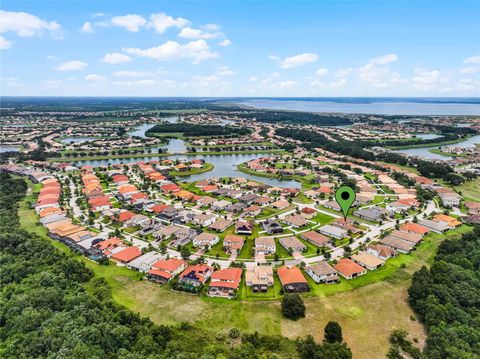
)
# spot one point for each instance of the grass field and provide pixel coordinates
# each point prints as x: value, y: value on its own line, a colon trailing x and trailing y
x: 470, y: 190
x: 367, y: 308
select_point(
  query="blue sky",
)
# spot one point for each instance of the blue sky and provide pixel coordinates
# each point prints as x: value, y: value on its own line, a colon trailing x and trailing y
x: 240, y: 48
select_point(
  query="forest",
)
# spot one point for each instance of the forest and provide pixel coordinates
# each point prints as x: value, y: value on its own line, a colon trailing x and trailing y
x: 447, y: 299
x: 188, y: 129
x: 52, y: 306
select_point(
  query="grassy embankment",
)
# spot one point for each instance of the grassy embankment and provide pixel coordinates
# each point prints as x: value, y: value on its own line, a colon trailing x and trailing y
x: 367, y: 307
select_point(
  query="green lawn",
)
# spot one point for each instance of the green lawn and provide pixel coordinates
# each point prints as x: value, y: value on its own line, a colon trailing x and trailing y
x: 206, y: 168
x: 470, y: 190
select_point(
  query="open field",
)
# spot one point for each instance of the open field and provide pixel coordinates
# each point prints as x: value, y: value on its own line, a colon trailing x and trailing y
x: 470, y: 190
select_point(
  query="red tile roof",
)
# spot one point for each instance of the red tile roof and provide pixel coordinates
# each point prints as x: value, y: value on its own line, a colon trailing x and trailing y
x: 290, y: 275
x: 127, y: 255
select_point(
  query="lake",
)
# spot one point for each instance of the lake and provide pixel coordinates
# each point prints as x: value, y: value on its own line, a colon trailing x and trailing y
x: 225, y: 166
x: 425, y: 151
x: 9, y: 148
x: 383, y: 106
x: 69, y: 140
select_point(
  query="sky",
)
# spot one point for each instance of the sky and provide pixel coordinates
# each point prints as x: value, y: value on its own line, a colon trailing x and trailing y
x: 240, y: 48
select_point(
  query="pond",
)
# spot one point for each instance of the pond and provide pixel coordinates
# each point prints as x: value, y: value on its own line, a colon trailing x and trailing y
x: 9, y: 148
x: 144, y: 127
x: 225, y: 166
x: 69, y: 140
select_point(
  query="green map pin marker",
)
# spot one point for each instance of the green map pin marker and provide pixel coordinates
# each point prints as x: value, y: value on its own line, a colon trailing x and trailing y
x: 345, y: 196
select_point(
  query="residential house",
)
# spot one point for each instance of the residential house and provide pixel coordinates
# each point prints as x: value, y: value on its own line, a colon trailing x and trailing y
x: 265, y: 245
x: 348, y: 269
x: 295, y: 221
x: 244, y: 227
x: 381, y: 251
x: 280, y: 204
x: 397, y: 244
x: 292, y: 279
x: 414, y: 228
x: 225, y: 282
x: 164, y: 270
x: 374, y: 213
x: 220, y: 225
x: 406, y: 236
x: 205, y: 240
x: 292, y: 244
x: 434, y: 226
x: 126, y: 255
x: 271, y: 226
x: 144, y: 262
x: 233, y: 243
x: 322, y: 273
x: 195, y: 275
x: 259, y: 278
x: 316, y: 238
x: 367, y: 260
x: 203, y: 220
x: 333, y: 231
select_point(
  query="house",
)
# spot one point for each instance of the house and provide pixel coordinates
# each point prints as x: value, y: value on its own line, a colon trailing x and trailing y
x: 194, y: 276
x: 225, y: 282
x: 271, y: 226
x: 473, y: 207
x: 220, y: 205
x: 374, y: 213
x: 451, y: 221
x: 259, y: 278
x: 236, y: 207
x: 295, y: 221
x: 252, y: 211
x: 347, y: 224
x: 397, y: 244
x: 281, y: 204
x: 450, y: 199
x: 381, y: 251
x: 333, y: 231
x: 316, y: 238
x: 322, y: 273
x: 265, y: 245
x: 220, y: 225
x: 348, y: 269
x: 332, y: 205
x: 206, y: 201
x: 292, y: 279
x: 144, y: 262
x: 205, y: 239
x: 100, y: 203
x: 248, y: 198
x: 126, y: 255
x: 203, y: 220
x: 406, y: 236
x: 292, y: 244
x: 434, y: 226
x: 164, y: 270
x: 233, y: 243
x: 308, y: 212
x: 414, y: 228
x: 367, y: 260
x: 244, y: 227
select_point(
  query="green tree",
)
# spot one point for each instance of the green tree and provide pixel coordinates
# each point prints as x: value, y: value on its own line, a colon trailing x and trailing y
x: 293, y: 306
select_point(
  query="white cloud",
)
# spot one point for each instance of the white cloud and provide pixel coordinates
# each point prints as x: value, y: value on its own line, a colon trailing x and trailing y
x: 4, y: 43
x: 116, y: 58
x: 343, y: 72
x: 225, y: 71
x: 466, y: 85
x: 94, y: 77
x: 127, y: 73
x: 285, y: 85
x: 130, y: 22
x: 253, y: 79
x: 225, y: 42
x: 74, y: 65
x: 425, y: 80
x: 472, y: 60
x: 139, y: 83
x: 295, y: 61
x: 470, y: 70
x: 383, y: 60
x: 171, y: 50
x: 25, y: 25
x: 87, y: 28
x: 339, y: 83
x: 208, y: 32
x: 377, y: 74
x: 161, y: 22
x: 321, y: 72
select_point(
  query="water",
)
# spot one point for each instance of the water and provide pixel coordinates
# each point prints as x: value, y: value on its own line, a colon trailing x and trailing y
x: 384, y: 106
x: 144, y: 127
x: 76, y: 139
x: 425, y: 151
x: 8, y: 148
x: 225, y: 166
x: 427, y: 136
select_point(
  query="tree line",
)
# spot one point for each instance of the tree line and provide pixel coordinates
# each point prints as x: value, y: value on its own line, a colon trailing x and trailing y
x: 189, y: 129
